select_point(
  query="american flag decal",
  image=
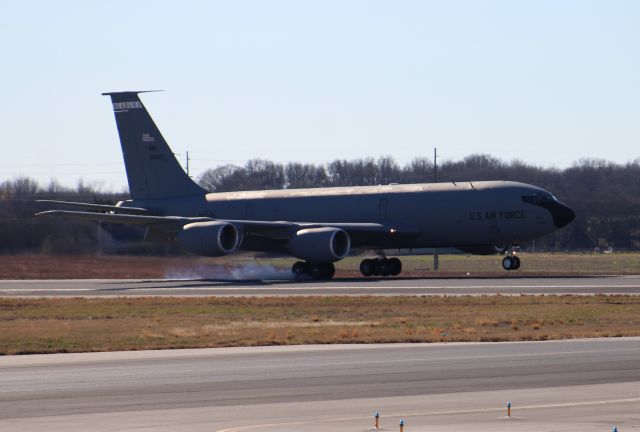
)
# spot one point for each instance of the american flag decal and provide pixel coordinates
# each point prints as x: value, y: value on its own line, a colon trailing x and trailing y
x: 147, y: 138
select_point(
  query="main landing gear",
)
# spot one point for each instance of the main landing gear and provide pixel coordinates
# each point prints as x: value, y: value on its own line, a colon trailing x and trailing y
x: 381, y: 267
x: 511, y: 262
x: 315, y: 270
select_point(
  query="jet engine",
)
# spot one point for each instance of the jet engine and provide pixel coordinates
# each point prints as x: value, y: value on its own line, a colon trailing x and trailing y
x: 321, y: 245
x: 211, y: 239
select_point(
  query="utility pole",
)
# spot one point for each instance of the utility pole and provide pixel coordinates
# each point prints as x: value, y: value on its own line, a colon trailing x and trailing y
x: 435, y: 165
x: 99, y: 236
x: 188, y: 163
x: 436, y: 261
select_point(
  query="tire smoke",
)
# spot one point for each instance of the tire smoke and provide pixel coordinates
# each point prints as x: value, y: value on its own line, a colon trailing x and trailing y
x: 229, y: 272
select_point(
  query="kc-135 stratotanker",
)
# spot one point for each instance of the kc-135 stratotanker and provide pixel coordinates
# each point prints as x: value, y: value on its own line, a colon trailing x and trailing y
x: 319, y: 226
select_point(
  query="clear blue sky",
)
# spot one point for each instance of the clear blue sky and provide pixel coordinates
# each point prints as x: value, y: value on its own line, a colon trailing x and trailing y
x: 547, y: 82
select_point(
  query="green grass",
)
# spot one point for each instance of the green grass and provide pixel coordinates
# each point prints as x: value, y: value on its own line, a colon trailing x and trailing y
x: 532, y: 264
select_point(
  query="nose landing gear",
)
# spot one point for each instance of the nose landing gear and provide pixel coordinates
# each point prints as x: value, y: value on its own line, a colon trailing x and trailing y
x: 381, y: 267
x: 511, y: 262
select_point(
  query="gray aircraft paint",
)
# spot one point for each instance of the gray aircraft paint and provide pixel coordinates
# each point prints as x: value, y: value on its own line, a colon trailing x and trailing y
x: 445, y: 214
x: 471, y: 215
x: 149, y: 162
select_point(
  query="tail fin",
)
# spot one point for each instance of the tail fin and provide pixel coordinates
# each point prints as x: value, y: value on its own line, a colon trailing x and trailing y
x: 152, y: 170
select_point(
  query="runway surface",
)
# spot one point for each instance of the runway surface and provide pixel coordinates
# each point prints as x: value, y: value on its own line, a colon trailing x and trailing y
x: 381, y: 286
x: 574, y: 385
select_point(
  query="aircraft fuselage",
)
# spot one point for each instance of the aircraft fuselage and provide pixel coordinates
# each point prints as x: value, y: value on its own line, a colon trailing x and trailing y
x: 443, y: 214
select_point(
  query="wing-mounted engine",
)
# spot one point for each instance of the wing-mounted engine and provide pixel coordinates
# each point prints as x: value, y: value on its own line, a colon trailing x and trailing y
x: 214, y: 238
x: 322, y: 245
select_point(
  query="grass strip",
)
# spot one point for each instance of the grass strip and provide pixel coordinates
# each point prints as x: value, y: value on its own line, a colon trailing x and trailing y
x: 97, y: 324
x: 246, y: 266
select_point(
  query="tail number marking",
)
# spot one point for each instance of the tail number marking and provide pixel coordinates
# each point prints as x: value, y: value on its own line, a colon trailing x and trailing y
x: 119, y: 106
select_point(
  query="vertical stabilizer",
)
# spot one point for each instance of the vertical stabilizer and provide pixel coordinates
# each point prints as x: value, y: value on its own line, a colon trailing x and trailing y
x: 152, y: 169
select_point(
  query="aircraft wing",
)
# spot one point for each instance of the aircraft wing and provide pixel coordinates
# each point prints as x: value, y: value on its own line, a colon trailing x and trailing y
x: 163, y: 223
x: 280, y: 230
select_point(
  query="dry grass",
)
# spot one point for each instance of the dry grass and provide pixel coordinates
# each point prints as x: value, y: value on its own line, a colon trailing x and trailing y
x: 124, y: 267
x: 83, y: 266
x: 92, y: 324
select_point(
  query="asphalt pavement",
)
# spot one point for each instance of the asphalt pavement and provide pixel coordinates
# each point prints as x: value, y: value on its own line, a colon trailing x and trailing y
x: 582, y: 385
x: 361, y: 286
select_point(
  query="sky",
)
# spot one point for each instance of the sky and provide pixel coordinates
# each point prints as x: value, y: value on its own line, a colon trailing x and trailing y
x: 546, y: 82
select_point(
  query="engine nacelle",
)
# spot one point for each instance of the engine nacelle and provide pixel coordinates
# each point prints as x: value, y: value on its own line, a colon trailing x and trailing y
x: 320, y: 245
x: 211, y: 239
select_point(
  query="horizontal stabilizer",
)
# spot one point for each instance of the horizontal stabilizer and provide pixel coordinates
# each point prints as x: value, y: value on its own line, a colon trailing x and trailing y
x: 130, y: 92
x: 98, y: 207
x: 121, y: 218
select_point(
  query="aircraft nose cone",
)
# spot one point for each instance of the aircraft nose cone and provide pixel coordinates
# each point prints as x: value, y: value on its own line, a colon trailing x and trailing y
x: 562, y: 214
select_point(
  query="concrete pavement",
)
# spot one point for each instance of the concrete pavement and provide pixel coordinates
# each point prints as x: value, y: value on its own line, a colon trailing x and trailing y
x: 558, y: 385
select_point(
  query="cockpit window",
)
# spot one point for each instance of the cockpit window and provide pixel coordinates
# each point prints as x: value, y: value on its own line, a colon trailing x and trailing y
x: 539, y: 199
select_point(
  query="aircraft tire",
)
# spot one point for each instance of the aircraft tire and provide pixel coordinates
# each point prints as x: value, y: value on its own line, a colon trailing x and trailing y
x: 508, y: 263
x: 330, y: 271
x: 300, y: 268
x: 516, y: 262
x: 396, y: 266
x: 376, y: 266
x: 322, y: 270
x: 383, y: 267
x: 367, y: 267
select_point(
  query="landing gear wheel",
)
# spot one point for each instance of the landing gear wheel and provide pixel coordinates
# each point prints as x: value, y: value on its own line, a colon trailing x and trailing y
x: 300, y: 268
x: 322, y: 270
x: 376, y: 266
x: 330, y: 271
x: 383, y: 267
x: 508, y: 263
x: 367, y: 267
x: 516, y: 262
x: 396, y: 266
x: 511, y: 262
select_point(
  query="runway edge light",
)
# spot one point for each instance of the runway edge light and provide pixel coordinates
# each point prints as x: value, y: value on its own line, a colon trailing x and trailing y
x: 508, y: 409
x: 401, y: 425
x: 376, y: 416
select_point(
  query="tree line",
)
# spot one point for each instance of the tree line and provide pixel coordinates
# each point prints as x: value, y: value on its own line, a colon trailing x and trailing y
x: 604, y: 195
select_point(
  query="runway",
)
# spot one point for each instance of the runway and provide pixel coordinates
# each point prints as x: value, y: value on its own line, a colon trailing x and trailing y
x: 562, y: 385
x: 380, y: 286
